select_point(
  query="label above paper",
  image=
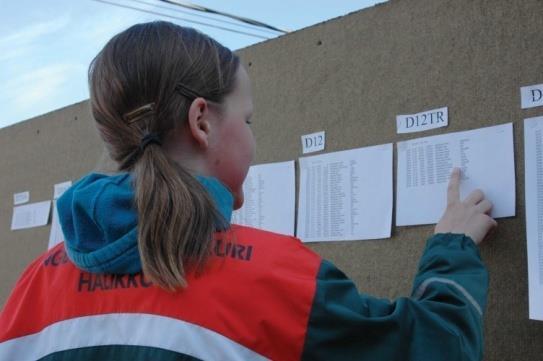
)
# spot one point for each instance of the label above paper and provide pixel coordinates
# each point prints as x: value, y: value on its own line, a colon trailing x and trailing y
x: 313, y: 142
x: 419, y: 122
x: 20, y: 198
x: 531, y: 96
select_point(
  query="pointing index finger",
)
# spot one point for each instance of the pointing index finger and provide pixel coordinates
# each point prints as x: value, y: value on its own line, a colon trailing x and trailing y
x: 453, y: 190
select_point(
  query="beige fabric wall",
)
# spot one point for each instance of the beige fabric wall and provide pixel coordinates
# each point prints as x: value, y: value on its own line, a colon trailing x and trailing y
x: 36, y: 154
x: 350, y: 77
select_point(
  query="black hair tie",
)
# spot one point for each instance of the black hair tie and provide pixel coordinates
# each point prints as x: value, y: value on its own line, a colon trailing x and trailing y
x: 148, y: 139
x: 137, y: 153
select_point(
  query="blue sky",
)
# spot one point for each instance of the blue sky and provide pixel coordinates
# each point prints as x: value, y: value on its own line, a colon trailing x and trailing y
x: 46, y: 46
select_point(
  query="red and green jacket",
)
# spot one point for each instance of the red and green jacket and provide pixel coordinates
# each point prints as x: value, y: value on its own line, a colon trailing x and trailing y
x: 262, y: 296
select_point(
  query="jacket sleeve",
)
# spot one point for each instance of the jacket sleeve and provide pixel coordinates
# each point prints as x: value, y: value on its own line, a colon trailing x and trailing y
x: 442, y: 320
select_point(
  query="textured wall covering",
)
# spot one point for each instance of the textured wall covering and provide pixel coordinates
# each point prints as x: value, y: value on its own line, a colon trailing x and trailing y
x: 350, y: 77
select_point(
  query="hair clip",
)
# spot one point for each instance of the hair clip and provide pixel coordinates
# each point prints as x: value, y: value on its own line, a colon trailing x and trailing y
x: 134, y: 115
x: 186, y: 91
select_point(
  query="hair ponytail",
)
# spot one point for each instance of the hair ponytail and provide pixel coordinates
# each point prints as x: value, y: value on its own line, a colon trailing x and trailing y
x: 177, y: 216
x: 134, y: 84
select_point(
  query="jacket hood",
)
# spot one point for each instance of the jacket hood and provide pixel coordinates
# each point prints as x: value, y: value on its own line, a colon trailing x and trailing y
x: 99, y: 221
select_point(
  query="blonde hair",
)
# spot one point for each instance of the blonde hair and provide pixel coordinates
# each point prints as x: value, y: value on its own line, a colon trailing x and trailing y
x: 142, y: 84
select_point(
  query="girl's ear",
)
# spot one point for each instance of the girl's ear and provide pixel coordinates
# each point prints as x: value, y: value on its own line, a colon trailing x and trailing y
x: 198, y: 119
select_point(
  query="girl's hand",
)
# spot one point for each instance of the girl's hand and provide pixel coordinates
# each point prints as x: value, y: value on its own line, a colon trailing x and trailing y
x: 470, y: 217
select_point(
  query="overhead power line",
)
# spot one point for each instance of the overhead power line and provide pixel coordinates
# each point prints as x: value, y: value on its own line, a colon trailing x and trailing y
x: 183, y: 19
x: 192, y: 13
x: 196, y: 7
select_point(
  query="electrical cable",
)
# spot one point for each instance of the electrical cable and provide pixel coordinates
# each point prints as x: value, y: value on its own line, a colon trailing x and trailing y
x: 192, y: 6
x: 184, y: 19
x: 207, y: 17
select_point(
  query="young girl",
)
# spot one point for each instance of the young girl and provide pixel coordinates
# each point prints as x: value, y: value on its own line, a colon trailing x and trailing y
x: 151, y: 269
